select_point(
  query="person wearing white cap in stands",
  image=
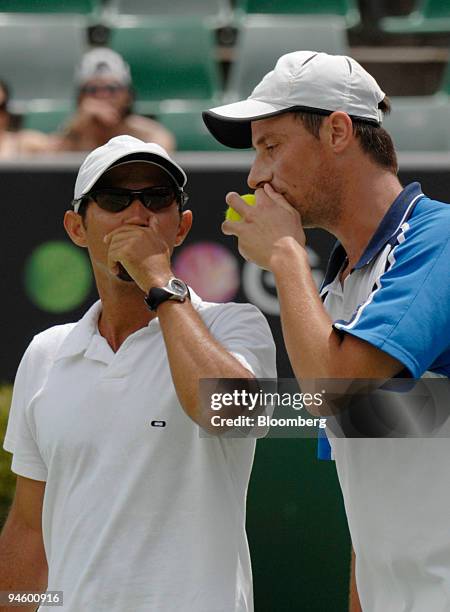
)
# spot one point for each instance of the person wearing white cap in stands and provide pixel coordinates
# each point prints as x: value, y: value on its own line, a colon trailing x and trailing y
x: 324, y: 160
x: 130, y: 508
x: 105, y: 106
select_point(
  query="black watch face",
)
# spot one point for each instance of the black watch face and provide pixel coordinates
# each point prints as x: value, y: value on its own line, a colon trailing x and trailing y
x: 177, y: 286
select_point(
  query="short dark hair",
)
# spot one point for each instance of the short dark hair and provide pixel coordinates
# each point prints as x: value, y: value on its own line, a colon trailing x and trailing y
x: 5, y: 104
x: 83, y: 209
x: 4, y: 85
x: 374, y: 140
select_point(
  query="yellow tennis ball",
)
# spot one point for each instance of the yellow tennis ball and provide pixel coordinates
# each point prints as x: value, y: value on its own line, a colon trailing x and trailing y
x: 233, y: 215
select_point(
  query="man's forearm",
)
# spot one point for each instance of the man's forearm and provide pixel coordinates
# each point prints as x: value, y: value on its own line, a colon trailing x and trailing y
x: 315, y: 349
x: 23, y: 565
x: 307, y: 328
x: 194, y: 354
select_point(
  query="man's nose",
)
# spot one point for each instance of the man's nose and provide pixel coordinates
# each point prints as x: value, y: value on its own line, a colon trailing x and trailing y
x: 259, y: 175
x: 137, y: 212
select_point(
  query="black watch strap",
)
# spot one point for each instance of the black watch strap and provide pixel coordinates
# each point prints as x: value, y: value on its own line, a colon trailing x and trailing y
x: 158, y: 295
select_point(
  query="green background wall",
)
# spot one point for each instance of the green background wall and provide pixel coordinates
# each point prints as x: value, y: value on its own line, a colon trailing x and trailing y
x: 297, y: 530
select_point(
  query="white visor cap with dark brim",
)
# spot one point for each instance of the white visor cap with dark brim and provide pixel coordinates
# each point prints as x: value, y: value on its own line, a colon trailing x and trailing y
x: 305, y: 81
x: 123, y: 149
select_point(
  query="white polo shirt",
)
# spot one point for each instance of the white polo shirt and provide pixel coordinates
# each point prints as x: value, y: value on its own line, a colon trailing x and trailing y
x: 140, y: 514
x: 397, y: 491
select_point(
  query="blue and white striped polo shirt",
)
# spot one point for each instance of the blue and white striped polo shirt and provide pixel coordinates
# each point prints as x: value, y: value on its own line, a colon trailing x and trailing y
x: 397, y: 491
x: 398, y: 295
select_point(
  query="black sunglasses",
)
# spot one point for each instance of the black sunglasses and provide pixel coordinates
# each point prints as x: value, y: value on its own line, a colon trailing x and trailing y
x: 93, y: 89
x: 116, y: 200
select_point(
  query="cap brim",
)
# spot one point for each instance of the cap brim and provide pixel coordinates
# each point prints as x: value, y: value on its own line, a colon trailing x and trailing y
x: 168, y: 166
x: 178, y: 177
x: 230, y: 124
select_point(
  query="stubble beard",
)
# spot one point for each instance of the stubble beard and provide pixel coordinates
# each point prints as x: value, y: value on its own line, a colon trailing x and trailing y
x: 323, y: 203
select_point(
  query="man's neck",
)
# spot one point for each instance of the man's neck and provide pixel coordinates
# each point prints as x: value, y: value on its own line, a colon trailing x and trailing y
x: 123, y: 313
x: 365, y: 204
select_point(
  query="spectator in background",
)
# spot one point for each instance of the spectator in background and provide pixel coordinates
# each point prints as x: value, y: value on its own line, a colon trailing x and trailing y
x: 19, y: 142
x: 104, y: 106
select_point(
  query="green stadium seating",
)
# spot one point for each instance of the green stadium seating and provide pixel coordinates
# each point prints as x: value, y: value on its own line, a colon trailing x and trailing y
x: 190, y: 132
x: 169, y: 58
x: 445, y: 85
x: 50, y: 6
x: 420, y: 123
x: 344, y: 8
x: 161, y: 8
x: 149, y: 108
x: 435, y: 9
x: 39, y: 54
x: 429, y: 16
x: 262, y: 39
x: 46, y: 120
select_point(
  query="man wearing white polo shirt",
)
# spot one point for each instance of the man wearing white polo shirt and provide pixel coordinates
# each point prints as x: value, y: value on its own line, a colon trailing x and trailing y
x: 324, y: 160
x: 117, y: 492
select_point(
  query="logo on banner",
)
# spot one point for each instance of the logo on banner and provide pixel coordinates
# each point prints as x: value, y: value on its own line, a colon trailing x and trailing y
x: 259, y: 284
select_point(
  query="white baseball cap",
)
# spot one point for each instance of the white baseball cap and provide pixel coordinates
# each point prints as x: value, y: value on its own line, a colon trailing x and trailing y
x: 305, y: 81
x: 121, y: 150
x: 100, y: 62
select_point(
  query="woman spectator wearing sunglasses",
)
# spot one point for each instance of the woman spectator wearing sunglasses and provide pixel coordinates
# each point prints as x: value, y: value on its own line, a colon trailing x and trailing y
x: 104, y: 106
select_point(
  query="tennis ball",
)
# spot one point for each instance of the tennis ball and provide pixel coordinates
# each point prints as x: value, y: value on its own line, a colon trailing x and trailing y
x: 232, y: 215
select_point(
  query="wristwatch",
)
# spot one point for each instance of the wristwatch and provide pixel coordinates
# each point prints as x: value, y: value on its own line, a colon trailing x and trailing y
x: 175, y: 289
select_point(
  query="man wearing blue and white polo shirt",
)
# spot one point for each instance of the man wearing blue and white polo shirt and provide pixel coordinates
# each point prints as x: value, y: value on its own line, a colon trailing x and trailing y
x: 117, y: 493
x: 324, y: 160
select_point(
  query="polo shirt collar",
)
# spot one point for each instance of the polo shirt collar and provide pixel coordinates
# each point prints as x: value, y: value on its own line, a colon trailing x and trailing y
x: 390, y: 223
x: 392, y: 220
x: 80, y: 336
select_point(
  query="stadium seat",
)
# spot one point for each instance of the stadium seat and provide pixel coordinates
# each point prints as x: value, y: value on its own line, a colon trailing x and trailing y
x: 38, y: 56
x: 46, y: 120
x: 445, y: 85
x: 429, y: 16
x: 163, y: 8
x: 50, y: 6
x: 420, y: 123
x: 262, y: 39
x: 344, y: 8
x: 190, y: 132
x: 169, y: 59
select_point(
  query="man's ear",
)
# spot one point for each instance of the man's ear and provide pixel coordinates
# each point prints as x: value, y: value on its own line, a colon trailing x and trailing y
x: 183, y: 227
x: 340, y: 131
x: 75, y: 228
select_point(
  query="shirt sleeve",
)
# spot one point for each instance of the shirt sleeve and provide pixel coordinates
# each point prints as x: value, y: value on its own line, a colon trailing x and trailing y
x: 324, y: 451
x: 407, y: 315
x: 19, y: 439
x: 243, y: 330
